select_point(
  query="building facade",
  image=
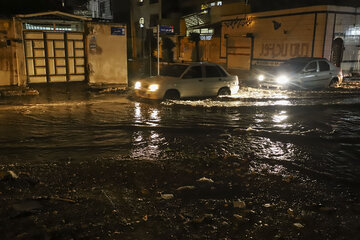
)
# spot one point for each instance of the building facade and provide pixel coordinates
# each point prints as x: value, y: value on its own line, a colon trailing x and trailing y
x: 100, y: 9
x: 56, y: 47
x: 145, y: 15
x: 269, y: 38
x: 96, y: 9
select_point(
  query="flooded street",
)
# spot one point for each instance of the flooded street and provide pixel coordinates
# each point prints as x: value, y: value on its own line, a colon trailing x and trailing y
x: 311, y: 138
x: 287, y: 132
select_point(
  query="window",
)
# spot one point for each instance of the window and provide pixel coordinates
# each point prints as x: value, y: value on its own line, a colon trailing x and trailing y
x: 141, y: 22
x: 311, y: 67
x: 212, y: 71
x: 102, y: 8
x: 193, y: 72
x: 324, y: 66
x: 222, y: 72
x: 154, y: 1
x: 173, y: 70
x: 154, y: 20
x: 140, y: 2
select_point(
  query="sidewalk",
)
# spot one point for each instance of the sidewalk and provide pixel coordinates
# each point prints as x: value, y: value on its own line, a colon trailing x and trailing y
x: 10, y: 91
x: 73, y: 88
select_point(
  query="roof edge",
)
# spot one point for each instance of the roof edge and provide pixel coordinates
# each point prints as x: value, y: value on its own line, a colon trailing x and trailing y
x: 53, y: 13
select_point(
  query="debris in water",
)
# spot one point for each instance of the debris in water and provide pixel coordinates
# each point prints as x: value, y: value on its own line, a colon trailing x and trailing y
x: 290, y: 212
x: 204, y: 179
x: 239, y: 204
x: 167, y: 196
x: 298, y: 225
x: 185, y: 188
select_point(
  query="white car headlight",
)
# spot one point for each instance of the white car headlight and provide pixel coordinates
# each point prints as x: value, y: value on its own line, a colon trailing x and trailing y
x: 153, y: 87
x: 137, y: 85
x: 261, y: 77
x: 282, y: 79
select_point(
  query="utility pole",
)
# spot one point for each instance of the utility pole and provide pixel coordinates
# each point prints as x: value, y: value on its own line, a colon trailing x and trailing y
x: 158, y: 49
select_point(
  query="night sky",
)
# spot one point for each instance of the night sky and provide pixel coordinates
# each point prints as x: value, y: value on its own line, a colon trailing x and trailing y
x: 121, y: 7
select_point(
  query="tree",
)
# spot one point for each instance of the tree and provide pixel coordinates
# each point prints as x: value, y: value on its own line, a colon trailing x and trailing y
x: 195, y: 37
x: 167, y: 46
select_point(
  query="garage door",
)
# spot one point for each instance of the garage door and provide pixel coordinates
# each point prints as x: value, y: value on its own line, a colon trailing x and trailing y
x: 239, y: 52
x: 54, y: 56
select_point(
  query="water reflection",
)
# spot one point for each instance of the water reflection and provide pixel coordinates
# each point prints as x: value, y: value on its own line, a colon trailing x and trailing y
x: 146, y: 144
x: 279, y: 120
x: 154, y: 117
x: 137, y: 113
x: 271, y: 169
x: 266, y: 148
x: 146, y: 115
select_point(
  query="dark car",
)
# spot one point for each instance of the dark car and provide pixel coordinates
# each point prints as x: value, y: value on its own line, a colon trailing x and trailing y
x: 301, y: 73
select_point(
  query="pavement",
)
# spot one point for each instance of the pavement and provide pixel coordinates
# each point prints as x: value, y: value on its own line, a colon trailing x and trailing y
x: 8, y: 91
x: 64, y: 88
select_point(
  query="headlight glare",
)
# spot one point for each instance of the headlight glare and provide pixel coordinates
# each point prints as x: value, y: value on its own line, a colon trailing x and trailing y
x: 282, y: 79
x: 261, y: 77
x: 137, y: 85
x: 153, y: 87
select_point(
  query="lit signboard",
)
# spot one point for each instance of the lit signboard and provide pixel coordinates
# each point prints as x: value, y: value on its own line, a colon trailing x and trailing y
x: 118, y: 31
x: 164, y: 29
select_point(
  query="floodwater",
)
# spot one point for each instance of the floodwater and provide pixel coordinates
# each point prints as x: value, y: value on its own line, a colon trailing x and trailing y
x: 311, y: 135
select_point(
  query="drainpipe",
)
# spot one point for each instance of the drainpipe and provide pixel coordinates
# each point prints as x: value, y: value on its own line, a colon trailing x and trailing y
x: 226, y: 36
x: 16, y: 55
x: 251, y: 35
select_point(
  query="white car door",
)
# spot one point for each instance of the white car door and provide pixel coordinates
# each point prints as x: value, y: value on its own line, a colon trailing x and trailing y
x: 215, y: 78
x: 310, y: 75
x: 325, y: 74
x: 191, y: 83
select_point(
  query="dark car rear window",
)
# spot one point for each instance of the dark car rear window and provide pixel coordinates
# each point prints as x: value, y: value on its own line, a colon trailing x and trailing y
x: 324, y: 66
x: 173, y: 70
x: 292, y: 66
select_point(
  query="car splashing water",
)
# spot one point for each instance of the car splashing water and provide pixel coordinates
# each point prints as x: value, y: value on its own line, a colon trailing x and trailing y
x: 284, y: 132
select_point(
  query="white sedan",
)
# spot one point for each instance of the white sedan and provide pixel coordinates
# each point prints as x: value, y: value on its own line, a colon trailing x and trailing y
x: 188, y: 80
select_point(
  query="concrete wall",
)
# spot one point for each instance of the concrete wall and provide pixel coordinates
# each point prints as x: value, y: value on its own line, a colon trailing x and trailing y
x: 106, y: 54
x: 209, y: 50
x: 280, y: 37
x: 12, y: 65
x: 6, y: 63
x: 299, y: 32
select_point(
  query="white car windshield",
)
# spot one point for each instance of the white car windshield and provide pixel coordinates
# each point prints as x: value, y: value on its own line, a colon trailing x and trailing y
x: 174, y: 70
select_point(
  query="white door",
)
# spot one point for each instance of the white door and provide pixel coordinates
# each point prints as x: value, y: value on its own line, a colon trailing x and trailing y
x: 324, y: 74
x: 310, y: 76
x: 191, y: 83
x: 215, y: 78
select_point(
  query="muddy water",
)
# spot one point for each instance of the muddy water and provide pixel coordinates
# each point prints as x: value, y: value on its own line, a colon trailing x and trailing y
x: 310, y: 135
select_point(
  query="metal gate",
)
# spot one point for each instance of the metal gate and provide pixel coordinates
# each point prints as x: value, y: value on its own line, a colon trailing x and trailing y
x: 239, y: 52
x: 54, y: 56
